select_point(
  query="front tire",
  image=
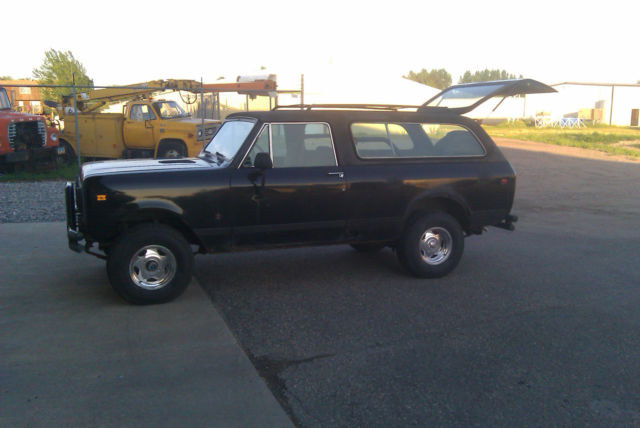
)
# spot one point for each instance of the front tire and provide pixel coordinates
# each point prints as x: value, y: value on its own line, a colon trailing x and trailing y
x: 69, y: 155
x: 150, y: 264
x: 432, y: 245
x: 172, y: 150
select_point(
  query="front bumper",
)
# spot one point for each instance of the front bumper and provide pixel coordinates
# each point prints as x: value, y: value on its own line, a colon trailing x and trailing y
x: 73, y: 205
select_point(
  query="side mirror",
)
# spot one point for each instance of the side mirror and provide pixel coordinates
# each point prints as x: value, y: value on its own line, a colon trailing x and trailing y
x: 263, y: 161
x: 51, y: 104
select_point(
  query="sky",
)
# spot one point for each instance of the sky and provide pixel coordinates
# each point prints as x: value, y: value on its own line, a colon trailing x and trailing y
x: 125, y: 42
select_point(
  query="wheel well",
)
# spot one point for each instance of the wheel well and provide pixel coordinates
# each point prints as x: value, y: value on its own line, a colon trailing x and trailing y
x: 449, y: 206
x: 169, y: 141
x: 162, y: 217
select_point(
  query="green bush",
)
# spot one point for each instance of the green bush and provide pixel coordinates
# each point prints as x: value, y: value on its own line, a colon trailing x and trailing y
x: 60, y: 172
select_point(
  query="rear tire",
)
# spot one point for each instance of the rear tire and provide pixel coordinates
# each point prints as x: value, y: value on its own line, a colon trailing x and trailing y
x: 149, y: 264
x: 432, y: 245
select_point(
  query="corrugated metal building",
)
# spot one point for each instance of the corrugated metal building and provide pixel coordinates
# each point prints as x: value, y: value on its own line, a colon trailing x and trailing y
x: 612, y: 103
x: 608, y: 103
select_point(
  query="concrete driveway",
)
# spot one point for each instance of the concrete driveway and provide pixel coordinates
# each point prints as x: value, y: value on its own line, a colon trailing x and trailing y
x: 74, y: 354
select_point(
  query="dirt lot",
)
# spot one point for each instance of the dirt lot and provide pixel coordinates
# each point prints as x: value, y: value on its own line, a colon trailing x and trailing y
x: 563, y: 150
x: 538, y: 327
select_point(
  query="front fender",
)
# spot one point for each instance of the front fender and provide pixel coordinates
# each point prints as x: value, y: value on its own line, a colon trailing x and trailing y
x: 151, y: 204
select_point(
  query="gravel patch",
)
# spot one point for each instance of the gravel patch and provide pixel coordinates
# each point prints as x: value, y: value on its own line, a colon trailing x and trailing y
x: 30, y: 202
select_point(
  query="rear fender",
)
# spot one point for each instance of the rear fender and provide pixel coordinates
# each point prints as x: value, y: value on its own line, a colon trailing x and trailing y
x: 448, y: 202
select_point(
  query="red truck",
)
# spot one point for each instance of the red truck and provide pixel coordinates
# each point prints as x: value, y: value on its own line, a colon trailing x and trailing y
x: 25, y: 137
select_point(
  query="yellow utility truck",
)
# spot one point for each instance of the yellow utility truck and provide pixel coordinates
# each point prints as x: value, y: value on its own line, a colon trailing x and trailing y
x: 146, y: 127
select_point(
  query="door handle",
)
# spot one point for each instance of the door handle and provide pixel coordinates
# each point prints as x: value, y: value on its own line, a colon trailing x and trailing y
x: 340, y: 174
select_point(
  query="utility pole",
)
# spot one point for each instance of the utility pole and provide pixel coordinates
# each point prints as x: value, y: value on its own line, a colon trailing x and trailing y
x: 611, y: 106
x: 75, y: 119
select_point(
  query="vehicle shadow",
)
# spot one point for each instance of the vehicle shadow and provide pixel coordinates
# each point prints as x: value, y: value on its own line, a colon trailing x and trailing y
x: 287, y: 267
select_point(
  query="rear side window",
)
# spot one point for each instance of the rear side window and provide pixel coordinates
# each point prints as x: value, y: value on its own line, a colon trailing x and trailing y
x: 413, y: 140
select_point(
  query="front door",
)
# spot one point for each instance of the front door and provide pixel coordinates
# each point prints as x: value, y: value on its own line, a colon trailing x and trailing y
x: 138, y: 132
x: 300, y: 200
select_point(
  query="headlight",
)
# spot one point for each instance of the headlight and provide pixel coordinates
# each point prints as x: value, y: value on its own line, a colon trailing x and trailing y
x: 199, y: 133
x: 54, y: 137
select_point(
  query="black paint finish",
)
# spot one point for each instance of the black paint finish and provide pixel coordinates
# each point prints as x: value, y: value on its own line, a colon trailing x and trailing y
x: 225, y: 207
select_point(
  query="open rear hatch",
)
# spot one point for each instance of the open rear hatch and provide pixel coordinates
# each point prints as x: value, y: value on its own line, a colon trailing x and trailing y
x: 466, y: 97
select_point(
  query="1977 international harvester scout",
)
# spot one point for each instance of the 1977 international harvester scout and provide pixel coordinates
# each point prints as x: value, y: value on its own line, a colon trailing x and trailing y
x: 417, y: 179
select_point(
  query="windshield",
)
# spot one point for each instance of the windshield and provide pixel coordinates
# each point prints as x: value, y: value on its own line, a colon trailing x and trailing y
x: 169, y: 109
x: 4, y: 100
x: 229, y: 138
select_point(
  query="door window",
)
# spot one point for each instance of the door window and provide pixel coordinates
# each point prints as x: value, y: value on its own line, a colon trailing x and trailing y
x: 295, y: 145
x: 140, y: 112
x: 260, y: 146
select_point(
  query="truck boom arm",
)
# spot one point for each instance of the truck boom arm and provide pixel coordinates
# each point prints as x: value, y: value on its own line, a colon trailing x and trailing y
x: 93, y: 99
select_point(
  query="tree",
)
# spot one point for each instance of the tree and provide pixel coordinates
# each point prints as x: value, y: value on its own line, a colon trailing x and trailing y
x: 57, y: 69
x: 6, y: 78
x: 436, y: 78
x: 486, y: 75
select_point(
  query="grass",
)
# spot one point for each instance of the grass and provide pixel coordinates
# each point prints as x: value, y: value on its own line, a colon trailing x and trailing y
x: 614, y: 140
x: 61, y: 172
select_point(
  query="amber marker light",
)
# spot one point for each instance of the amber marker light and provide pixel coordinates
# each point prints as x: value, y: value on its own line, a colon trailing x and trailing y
x: 101, y: 197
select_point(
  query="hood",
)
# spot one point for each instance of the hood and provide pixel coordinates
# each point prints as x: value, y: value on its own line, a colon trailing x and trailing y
x: 131, y: 166
x: 17, y: 116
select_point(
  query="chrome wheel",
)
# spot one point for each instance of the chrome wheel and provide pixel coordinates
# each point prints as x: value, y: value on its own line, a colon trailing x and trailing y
x: 435, y: 245
x: 152, y: 267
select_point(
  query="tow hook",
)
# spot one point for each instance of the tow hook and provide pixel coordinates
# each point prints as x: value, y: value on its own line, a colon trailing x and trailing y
x: 507, y: 222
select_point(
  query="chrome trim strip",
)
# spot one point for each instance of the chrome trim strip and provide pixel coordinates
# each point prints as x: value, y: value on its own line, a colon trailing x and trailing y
x: 271, y: 143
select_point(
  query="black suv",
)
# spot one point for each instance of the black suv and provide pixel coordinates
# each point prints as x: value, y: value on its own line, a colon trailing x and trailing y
x: 415, y: 178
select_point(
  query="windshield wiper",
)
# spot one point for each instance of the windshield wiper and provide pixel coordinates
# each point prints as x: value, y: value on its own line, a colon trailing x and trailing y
x: 219, y: 156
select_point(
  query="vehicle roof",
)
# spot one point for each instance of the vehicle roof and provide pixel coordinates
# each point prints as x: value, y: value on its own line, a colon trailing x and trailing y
x: 352, y: 115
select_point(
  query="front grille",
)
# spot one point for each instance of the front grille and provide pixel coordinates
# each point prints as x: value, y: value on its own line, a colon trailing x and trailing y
x: 73, y: 197
x: 208, y: 132
x: 42, y: 130
x: 12, y: 135
x: 27, y: 135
